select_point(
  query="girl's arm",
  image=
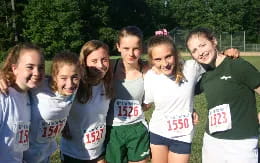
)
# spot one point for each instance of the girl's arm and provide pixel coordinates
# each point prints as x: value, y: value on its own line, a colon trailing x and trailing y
x: 232, y: 52
x: 195, y: 118
x: 257, y: 90
x: 4, y: 84
x: 146, y: 107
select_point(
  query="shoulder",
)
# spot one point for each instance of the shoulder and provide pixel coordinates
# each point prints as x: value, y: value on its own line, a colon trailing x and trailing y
x: 240, y: 64
x: 5, y: 100
x: 150, y: 73
x: 190, y: 63
x: 44, y: 87
x: 193, y: 66
x: 114, y: 62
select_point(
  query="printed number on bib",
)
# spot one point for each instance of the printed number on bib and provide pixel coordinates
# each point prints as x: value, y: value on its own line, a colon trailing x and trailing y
x: 93, y: 137
x: 128, y: 110
x: 22, y: 136
x: 50, y: 129
x: 180, y: 124
x: 220, y: 118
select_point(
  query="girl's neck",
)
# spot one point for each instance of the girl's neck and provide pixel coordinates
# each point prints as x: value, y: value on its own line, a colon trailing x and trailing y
x: 18, y: 88
x: 126, y: 71
x: 217, y: 60
x: 130, y: 67
x: 94, y: 82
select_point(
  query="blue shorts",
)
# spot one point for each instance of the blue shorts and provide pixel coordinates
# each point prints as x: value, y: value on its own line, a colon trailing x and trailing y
x: 173, y: 145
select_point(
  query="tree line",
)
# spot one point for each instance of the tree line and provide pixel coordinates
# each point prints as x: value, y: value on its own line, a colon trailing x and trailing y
x: 56, y: 25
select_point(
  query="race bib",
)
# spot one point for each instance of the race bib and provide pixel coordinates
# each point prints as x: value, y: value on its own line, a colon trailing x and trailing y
x: 178, y: 124
x: 94, y: 137
x: 220, y: 118
x: 21, y: 142
x: 49, y: 129
x: 127, y: 110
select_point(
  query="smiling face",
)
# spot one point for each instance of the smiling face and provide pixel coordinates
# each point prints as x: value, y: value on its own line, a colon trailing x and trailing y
x: 202, y: 49
x: 97, y: 63
x: 29, y: 71
x: 67, y: 79
x: 163, y: 58
x: 130, y: 49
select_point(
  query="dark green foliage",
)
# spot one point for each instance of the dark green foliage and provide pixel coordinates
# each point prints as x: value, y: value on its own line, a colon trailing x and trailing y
x: 57, y: 25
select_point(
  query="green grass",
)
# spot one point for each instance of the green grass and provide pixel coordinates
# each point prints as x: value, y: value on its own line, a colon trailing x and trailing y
x: 200, y: 105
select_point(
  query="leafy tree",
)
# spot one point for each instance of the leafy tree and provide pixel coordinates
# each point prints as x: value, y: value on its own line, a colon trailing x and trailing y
x: 8, y: 16
x: 221, y: 15
x: 130, y: 12
x: 162, y: 14
x: 53, y: 24
x: 95, y: 19
x: 6, y: 33
x: 251, y: 21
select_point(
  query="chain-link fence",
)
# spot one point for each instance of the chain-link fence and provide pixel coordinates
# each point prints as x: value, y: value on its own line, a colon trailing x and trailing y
x: 225, y: 40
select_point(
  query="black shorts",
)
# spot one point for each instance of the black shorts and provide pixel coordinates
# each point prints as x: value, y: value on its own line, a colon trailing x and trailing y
x: 173, y: 145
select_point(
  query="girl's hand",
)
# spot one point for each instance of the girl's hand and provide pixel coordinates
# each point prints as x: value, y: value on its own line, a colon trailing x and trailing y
x: 232, y: 52
x: 146, y: 107
x: 195, y: 118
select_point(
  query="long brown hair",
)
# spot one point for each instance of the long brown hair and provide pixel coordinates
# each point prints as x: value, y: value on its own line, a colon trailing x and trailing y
x: 85, y: 87
x: 166, y: 39
x: 13, y: 58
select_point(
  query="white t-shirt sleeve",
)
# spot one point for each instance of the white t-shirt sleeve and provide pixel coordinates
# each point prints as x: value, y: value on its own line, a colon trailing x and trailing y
x: 197, y: 68
x: 2, y: 104
x: 148, y: 95
x: 1, y: 115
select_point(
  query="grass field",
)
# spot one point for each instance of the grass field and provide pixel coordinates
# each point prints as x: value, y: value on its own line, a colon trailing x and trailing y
x: 200, y: 105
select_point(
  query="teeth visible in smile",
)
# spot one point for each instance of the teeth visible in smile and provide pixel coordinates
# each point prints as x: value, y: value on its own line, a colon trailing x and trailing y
x: 34, y: 80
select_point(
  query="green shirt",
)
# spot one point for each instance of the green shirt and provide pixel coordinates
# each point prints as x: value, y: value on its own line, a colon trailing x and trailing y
x: 233, y: 82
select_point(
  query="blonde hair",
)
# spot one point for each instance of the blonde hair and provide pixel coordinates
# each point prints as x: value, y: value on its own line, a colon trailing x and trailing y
x: 85, y: 88
x: 13, y: 57
x: 166, y: 39
x: 59, y: 60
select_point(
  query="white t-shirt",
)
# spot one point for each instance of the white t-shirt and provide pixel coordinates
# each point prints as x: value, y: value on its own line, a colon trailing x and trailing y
x: 15, y: 116
x: 49, y: 115
x: 87, y: 123
x: 173, y: 102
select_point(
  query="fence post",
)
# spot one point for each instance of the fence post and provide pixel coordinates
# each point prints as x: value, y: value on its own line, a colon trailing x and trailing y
x: 231, y: 40
x: 244, y: 41
x: 220, y: 41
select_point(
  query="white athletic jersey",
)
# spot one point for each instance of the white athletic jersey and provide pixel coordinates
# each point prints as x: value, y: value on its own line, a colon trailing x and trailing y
x: 15, y: 116
x: 173, y: 102
x: 49, y: 114
x: 87, y: 123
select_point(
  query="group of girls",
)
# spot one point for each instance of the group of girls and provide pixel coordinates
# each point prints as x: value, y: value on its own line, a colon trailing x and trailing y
x: 36, y: 107
x: 99, y: 106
